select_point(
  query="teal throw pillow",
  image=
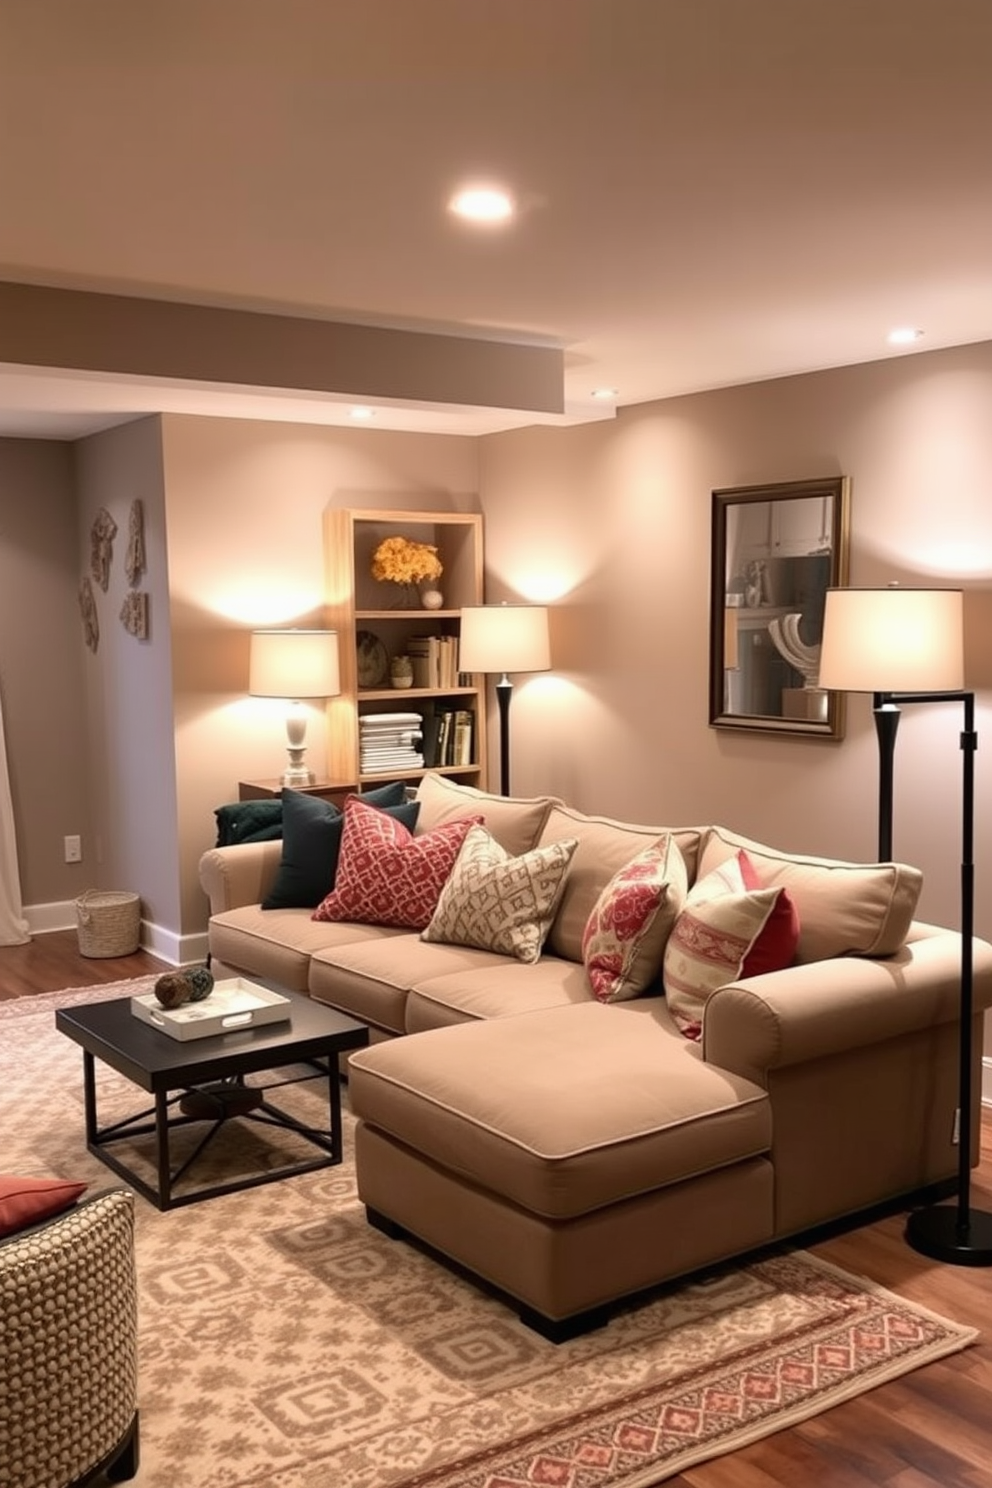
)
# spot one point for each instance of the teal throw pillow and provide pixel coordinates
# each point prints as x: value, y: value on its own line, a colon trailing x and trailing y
x: 311, y: 842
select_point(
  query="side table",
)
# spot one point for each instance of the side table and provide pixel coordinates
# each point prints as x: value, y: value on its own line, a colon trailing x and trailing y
x: 328, y: 790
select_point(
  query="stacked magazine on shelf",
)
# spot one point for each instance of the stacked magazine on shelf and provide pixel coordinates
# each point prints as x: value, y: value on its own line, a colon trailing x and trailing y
x: 390, y: 741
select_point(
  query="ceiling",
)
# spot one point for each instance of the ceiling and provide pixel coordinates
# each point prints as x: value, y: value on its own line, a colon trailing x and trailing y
x: 710, y: 192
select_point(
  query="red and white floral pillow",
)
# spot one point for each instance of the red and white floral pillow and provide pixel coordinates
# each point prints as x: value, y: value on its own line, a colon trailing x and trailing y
x: 730, y: 927
x: 626, y: 932
x: 386, y: 875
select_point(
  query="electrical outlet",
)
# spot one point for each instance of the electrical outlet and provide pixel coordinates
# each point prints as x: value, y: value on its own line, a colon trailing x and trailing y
x: 956, y: 1134
x: 73, y: 850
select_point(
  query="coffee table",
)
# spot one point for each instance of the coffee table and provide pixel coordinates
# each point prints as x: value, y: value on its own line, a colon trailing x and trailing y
x: 312, y: 1037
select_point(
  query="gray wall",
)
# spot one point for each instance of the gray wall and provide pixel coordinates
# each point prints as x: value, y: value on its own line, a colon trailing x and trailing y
x: 41, y: 666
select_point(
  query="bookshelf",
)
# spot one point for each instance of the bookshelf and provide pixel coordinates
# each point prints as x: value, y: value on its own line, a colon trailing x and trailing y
x: 379, y: 616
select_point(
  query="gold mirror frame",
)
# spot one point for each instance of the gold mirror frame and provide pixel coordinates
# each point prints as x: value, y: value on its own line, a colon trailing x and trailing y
x: 775, y: 551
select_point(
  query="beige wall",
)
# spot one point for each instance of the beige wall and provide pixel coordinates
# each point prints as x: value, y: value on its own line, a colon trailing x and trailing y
x: 614, y: 519
x: 608, y: 522
x: 245, y: 504
x: 41, y: 682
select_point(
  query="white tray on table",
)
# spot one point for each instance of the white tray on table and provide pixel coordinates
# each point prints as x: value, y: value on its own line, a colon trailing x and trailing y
x: 232, y: 1005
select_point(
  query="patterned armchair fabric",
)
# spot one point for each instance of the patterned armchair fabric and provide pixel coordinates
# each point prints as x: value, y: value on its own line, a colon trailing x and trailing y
x: 68, y: 1332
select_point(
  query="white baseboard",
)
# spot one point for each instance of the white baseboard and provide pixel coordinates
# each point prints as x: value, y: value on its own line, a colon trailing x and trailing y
x: 177, y: 950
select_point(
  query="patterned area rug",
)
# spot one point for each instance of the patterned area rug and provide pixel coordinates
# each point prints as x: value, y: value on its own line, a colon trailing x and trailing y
x: 286, y: 1344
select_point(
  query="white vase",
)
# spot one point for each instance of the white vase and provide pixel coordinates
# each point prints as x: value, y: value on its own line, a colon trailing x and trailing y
x: 432, y: 599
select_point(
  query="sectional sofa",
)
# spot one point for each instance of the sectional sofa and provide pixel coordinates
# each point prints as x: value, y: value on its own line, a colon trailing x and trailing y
x: 592, y: 1104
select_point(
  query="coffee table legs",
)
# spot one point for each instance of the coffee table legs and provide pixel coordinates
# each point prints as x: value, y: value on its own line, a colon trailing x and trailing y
x: 161, y: 1195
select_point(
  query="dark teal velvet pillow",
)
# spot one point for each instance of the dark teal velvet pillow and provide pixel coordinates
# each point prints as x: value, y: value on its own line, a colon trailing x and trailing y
x: 311, y: 842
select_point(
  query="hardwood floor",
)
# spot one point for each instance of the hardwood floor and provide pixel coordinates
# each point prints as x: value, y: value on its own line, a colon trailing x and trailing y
x: 51, y: 962
x: 932, y: 1429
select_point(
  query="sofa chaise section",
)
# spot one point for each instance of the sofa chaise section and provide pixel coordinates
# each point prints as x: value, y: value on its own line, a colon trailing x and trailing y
x: 568, y: 1156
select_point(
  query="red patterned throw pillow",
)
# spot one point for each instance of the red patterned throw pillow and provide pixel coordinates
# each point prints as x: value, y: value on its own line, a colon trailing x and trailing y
x: 776, y: 944
x: 625, y: 934
x: 727, y: 929
x: 386, y: 875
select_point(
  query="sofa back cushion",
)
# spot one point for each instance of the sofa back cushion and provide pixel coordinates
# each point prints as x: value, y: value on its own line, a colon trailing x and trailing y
x: 604, y: 846
x: 514, y: 821
x: 862, y: 909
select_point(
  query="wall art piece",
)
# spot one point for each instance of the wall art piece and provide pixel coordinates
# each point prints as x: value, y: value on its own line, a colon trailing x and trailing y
x: 134, y: 613
x: 776, y: 551
x: 87, y: 608
x: 134, y: 559
x: 102, y: 535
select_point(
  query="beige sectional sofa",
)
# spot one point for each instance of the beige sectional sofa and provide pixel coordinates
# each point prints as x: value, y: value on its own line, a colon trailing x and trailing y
x: 572, y: 1153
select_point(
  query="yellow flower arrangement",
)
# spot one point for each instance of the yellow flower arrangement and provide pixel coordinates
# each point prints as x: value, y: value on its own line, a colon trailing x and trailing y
x: 399, y: 560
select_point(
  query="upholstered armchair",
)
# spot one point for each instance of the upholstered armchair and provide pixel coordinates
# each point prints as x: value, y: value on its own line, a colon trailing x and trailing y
x: 68, y: 1333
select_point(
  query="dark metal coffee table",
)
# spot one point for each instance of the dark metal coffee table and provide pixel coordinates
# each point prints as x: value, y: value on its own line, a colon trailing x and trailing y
x: 209, y: 1070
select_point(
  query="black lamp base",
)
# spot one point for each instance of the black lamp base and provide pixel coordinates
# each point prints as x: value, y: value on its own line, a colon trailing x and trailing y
x: 935, y: 1232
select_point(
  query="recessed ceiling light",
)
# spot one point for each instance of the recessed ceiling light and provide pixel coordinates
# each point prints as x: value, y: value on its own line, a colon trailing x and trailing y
x: 904, y: 336
x: 605, y: 392
x: 362, y: 413
x: 485, y: 204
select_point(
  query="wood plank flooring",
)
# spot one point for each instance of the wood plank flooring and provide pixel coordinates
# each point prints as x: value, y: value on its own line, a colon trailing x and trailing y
x: 51, y: 962
x: 932, y: 1429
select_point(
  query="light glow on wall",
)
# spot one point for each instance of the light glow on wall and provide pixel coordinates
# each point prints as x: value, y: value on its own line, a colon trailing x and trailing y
x: 258, y: 601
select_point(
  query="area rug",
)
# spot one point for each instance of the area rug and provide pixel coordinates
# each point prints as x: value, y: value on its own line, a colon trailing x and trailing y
x: 286, y: 1344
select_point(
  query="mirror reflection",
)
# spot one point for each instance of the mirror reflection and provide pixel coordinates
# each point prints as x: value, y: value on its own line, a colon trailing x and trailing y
x: 776, y: 551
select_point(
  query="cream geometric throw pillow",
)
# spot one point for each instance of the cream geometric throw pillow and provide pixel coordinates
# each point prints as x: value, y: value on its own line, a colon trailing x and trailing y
x: 499, y: 903
x: 626, y: 933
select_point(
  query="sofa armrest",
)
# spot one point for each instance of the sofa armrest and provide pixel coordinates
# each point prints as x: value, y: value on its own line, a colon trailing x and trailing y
x: 822, y: 1008
x: 232, y: 877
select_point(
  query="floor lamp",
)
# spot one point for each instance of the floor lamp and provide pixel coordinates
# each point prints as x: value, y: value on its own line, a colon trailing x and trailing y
x: 906, y: 646
x: 504, y: 638
x: 296, y: 665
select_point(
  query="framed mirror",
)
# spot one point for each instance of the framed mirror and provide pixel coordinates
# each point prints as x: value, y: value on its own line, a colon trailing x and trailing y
x: 776, y: 550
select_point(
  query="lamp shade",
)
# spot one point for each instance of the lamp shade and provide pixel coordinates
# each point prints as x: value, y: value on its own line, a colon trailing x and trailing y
x: 504, y: 638
x: 294, y: 664
x: 893, y: 640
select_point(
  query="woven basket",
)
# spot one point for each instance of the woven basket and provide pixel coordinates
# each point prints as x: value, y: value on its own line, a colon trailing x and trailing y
x: 109, y: 923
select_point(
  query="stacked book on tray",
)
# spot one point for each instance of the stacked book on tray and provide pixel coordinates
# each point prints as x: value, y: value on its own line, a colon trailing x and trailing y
x: 390, y: 741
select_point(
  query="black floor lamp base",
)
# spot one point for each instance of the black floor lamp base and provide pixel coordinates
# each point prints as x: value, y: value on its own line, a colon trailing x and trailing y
x: 935, y: 1232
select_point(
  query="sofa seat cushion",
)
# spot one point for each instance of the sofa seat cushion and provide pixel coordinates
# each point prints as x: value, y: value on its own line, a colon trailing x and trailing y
x: 276, y: 944
x: 495, y: 991
x: 371, y: 979
x: 862, y: 909
x: 562, y: 1112
x: 604, y: 846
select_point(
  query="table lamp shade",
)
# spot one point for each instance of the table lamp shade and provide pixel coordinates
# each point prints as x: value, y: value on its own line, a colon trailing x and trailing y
x: 294, y: 664
x: 504, y: 638
x: 893, y: 640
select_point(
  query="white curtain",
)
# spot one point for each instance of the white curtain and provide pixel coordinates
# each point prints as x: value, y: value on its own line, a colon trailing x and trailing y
x: 13, y: 925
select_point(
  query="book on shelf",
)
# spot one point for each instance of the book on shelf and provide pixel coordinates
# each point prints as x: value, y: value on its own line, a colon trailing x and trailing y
x: 449, y: 736
x: 423, y: 654
x: 434, y: 659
